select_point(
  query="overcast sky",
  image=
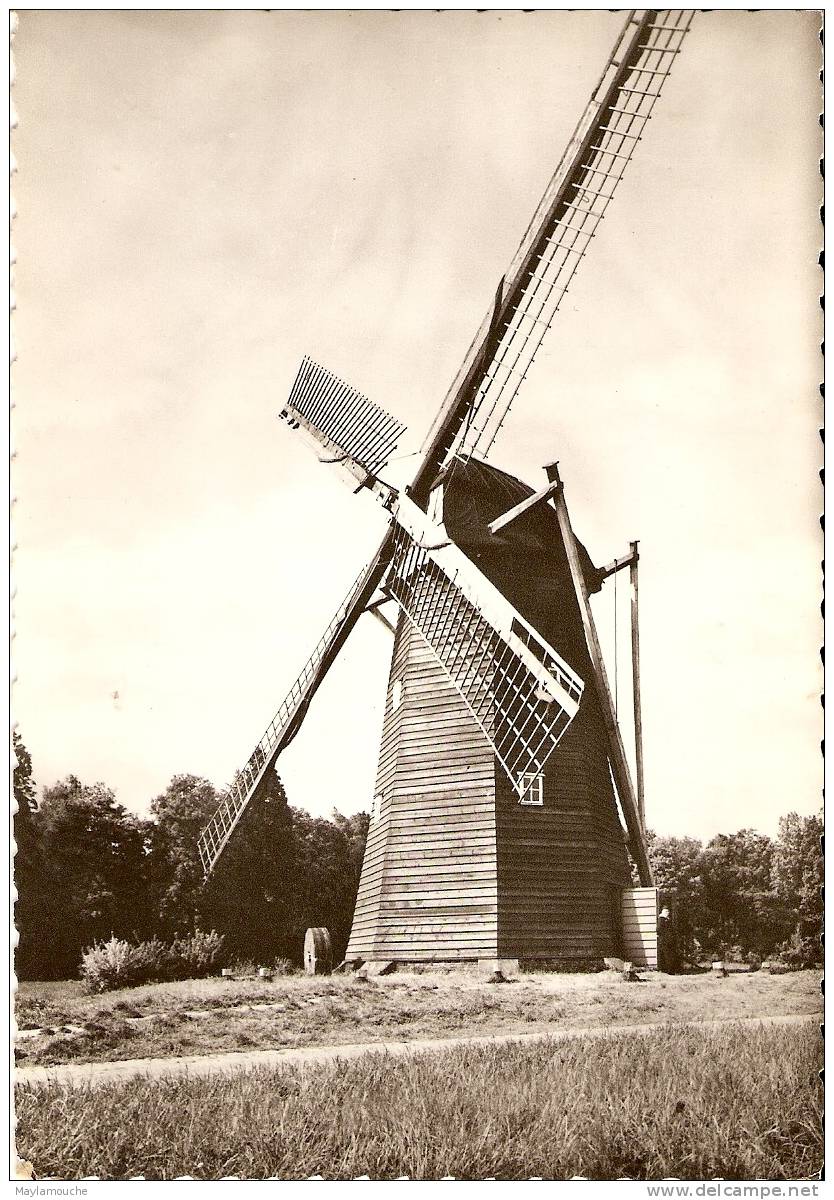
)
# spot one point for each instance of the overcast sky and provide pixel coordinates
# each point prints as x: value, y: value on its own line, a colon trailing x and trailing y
x: 205, y: 197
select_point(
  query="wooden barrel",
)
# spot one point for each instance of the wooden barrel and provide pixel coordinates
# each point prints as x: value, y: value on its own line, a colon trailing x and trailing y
x: 318, y: 952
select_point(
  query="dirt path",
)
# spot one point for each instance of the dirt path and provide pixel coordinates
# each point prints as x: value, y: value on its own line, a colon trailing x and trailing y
x: 93, y: 1074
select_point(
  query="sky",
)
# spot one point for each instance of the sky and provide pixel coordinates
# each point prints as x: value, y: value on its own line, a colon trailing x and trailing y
x: 204, y: 197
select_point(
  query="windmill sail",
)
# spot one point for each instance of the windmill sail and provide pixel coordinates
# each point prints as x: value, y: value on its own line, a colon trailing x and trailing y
x: 344, y: 422
x: 287, y: 720
x: 560, y: 233
x: 519, y: 690
x: 525, y: 697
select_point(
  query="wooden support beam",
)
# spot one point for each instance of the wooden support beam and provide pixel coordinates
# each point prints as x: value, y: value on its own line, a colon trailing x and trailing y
x: 512, y: 514
x: 380, y: 616
x: 374, y: 609
x: 635, y: 669
x: 617, y: 564
x: 619, y: 763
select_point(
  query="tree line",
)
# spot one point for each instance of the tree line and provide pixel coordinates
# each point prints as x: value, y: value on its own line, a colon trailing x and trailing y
x: 744, y: 895
x: 86, y: 868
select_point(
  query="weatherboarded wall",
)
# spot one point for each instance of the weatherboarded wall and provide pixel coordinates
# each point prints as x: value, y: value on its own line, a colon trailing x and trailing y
x: 639, y: 909
x: 428, y: 889
x: 562, y: 866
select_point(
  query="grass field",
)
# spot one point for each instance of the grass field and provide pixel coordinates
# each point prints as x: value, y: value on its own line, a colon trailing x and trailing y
x: 215, y: 1015
x: 738, y: 1103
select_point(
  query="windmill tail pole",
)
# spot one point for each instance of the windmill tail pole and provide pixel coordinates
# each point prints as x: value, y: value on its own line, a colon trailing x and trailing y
x: 635, y: 668
x: 616, y: 749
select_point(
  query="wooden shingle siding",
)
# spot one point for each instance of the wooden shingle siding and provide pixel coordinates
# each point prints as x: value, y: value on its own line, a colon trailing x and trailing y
x: 428, y: 885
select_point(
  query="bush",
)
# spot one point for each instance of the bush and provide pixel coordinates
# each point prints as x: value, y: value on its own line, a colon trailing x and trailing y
x: 242, y: 968
x: 197, y: 955
x: 739, y: 954
x: 284, y: 966
x: 800, y: 951
x: 113, y: 964
x: 117, y: 963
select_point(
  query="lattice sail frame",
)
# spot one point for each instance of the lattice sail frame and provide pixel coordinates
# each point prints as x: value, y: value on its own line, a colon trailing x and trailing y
x: 522, y: 694
x: 589, y: 185
x: 216, y: 834
x: 341, y: 418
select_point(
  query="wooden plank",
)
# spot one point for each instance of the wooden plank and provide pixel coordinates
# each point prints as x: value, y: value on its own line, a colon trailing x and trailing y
x: 434, y: 872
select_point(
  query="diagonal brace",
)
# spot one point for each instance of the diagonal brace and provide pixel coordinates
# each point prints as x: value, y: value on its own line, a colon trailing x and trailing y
x: 512, y: 514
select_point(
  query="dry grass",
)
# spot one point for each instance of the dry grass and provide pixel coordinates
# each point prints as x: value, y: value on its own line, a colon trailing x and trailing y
x: 734, y: 1104
x: 343, y: 1009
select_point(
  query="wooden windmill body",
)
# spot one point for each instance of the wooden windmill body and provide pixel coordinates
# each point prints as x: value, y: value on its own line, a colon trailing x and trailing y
x: 458, y: 865
x: 505, y: 820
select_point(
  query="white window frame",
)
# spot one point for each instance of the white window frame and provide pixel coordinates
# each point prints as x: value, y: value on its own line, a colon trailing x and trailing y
x: 397, y: 693
x: 531, y: 785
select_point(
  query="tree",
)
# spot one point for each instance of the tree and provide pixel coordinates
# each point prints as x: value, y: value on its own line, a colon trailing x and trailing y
x: 722, y: 895
x: 176, y: 873
x: 743, y: 912
x: 248, y: 897
x: 798, y: 879
x: 355, y: 829
x: 94, y: 884
x: 326, y: 864
x: 677, y: 865
x: 29, y: 907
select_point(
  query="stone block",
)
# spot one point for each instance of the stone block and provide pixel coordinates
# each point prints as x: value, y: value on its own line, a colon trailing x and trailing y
x: 371, y: 969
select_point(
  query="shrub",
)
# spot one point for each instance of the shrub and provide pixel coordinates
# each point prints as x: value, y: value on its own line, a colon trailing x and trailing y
x: 150, y: 959
x: 243, y: 967
x: 198, y: 954
x: 113, y: 964
x: 799, y: 951
x: 738, y: 954
x: 284, y: 966
x: 117, y: 963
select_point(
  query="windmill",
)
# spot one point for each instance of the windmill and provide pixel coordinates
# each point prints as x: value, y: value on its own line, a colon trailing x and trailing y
x: 504, y: 810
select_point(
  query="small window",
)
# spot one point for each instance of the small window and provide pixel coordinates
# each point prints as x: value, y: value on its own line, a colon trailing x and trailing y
x: 531, y: 785
x: 397, y: 694
x: 376, y: 806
